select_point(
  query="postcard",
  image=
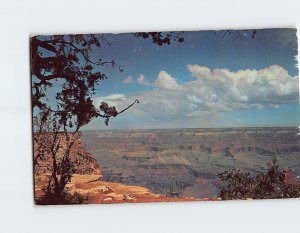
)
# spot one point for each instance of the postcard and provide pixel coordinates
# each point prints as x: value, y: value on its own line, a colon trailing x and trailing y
x: 165, y: 116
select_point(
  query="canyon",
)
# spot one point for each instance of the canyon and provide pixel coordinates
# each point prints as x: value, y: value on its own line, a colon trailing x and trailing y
x: 186, y: 162
x: 86, y: 182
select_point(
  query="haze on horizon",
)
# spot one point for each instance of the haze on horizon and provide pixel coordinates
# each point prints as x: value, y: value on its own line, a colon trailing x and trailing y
x: 208, y: 81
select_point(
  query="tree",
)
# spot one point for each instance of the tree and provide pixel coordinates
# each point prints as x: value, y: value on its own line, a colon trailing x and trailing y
x: 270, y: 185
x: 66, y: 59
x: 51, y: 141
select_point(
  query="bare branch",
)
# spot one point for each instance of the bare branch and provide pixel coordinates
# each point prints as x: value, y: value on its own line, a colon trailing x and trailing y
x: 136, y: 101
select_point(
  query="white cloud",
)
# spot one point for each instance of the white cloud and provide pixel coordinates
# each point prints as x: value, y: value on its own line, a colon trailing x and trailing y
x: 201, y: 102
x: 113, y: 100
x: 142, y: 80
x: 166, y: 81
x: 128, y: 80
x: 197, y: 70
x: 163, y: 81
x: 246, y: 88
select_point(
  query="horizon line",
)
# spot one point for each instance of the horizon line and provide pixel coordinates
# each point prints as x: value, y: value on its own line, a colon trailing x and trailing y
x: 205, y: 128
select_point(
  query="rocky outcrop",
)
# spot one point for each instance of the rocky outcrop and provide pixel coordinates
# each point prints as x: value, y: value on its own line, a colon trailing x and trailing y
x: 101, y: 192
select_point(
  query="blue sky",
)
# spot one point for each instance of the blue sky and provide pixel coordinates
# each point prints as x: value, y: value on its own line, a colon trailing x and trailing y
x: 209, y: 80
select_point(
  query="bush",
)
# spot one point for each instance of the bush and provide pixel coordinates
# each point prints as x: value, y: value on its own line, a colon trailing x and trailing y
x: 269, y: 185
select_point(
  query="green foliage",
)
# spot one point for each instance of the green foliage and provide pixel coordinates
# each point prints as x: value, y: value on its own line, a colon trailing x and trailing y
x: 269, y: 185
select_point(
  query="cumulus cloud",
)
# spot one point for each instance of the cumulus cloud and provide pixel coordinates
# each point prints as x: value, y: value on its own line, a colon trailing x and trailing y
x: 142, y: 80
x: 245, y: 88
x: 203, y: 101
x: 163, y: 80
x: 199, y: 71
x: 166, y: 81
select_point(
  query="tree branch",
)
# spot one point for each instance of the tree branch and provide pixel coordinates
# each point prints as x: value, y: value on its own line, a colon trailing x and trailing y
x: 136, y: 101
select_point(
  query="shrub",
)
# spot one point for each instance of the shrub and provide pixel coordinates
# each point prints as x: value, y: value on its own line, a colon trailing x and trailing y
x: 270, y: 185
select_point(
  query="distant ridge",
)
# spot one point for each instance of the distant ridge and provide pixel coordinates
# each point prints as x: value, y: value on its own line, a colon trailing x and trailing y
x: 204, y: 129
